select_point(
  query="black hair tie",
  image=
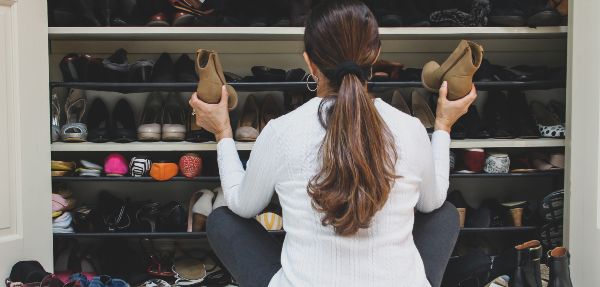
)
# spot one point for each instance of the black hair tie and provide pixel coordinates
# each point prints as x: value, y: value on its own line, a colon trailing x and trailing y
x: 348, y: 68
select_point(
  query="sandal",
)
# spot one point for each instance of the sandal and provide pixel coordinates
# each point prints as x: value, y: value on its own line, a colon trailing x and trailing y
x: 157, y: 260
x: 55, y: 114
x: 74, y: 129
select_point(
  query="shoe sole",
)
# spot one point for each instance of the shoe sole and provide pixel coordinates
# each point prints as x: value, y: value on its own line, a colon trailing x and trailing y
x: 148, y: 137
x: 246, y: 139
x: 173, y: 137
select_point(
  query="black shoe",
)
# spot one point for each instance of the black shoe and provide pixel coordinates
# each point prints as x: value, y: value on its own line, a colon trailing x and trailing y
x: 141, y: 71
x: 558, y: 261
x: 98, y: 122
x: 488, y: 72
x: 459, y: 129
x: 172, y: 217
x: 185, y: 70
x: 123, y: 128
x: 497, y: 116
x: 527, y: 272
x: 295, y: 75
x: 74, y: 67
x: 266, y: 74
x: 164, y: 70
x: 474, y: 125
x: 521, y: 119
x: 507, y: 13
x: 489, y: 214
x: 195, y: 133
x: 412, y: 16
x: 117, y: 66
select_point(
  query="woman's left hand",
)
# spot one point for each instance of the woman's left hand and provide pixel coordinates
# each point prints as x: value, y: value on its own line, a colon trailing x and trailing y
x: 213, y: 117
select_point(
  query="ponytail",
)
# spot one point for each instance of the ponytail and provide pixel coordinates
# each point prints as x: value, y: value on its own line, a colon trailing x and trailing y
x: 358, y: 160
x: 358, y: 154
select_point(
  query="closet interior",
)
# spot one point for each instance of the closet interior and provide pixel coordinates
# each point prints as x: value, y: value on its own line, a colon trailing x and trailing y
x: 106, y: 234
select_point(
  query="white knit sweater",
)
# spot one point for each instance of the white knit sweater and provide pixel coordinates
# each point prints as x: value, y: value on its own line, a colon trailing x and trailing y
x: 284, y: 159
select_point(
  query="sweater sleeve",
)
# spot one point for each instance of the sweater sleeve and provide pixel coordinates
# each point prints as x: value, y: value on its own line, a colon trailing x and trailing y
x: 436, y: 171
x: 248, y: 192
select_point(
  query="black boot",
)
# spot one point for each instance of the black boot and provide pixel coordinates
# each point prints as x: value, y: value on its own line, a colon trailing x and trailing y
x: 299, y: 9
x: 558, y: 261
x: 497, y: 116
x: 521, y: 119
x: 527, y: 272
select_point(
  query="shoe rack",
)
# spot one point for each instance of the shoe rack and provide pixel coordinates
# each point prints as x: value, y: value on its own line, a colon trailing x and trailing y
x: 243, y: 47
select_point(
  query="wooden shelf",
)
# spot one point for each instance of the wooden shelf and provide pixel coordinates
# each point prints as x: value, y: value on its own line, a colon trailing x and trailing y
x: 293, y: 33
x: 246, y: 146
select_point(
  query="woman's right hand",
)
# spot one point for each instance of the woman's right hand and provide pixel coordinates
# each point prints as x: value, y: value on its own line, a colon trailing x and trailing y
x: 448, y: 112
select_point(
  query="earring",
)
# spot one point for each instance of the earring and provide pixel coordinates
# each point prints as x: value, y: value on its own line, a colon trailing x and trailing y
x: 315, y: 79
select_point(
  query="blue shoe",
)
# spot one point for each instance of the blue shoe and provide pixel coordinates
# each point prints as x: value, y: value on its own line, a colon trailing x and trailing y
x: 77, y: 280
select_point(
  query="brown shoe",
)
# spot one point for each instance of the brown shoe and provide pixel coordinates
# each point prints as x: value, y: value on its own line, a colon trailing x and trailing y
x: 210, y: 72
x: 248, y: 125
x: 421, y: 110
x: 158, y: 20
x: 268, y: 111
x: 457, y: 70
x: 399, y: 103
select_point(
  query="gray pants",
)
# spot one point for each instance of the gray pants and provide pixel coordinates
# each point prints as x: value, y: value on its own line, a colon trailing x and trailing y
x: 253, y: 256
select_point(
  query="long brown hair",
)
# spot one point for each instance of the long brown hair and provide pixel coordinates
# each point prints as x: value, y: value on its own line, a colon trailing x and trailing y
x: 358, y: 154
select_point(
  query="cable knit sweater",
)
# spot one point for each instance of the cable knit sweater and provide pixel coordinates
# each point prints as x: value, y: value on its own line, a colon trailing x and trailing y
x: 284, y: 159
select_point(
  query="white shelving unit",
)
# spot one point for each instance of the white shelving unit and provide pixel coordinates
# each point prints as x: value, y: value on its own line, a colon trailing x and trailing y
x: 292, y: 33
x: 246, y: 146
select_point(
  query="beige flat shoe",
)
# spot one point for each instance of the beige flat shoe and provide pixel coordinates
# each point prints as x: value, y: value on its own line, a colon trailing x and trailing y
x: 211, y: 78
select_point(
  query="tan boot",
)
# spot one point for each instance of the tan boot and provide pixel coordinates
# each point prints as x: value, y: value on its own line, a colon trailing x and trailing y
x: 457, y: 70
x: 210, y: 73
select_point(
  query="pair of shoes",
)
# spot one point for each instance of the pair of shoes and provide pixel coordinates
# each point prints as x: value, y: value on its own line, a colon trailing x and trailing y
x: 163, y: 118
x: 177, y: 19
x: 165, y: 71
x: 255, y: 119
x: 418, y: 107
x: 470, y: 126
x: 457, y: 70
x: 528, y: 272
x: 508, y: 116
x: 268, y: 74
x: 89, y: 169
x: 549, y: 123
x: 475, y: 17
x: 190, y: 165
x: 62, y: 168
x: 74, y: 130
x: 104, y: 126
x: 201, y: 205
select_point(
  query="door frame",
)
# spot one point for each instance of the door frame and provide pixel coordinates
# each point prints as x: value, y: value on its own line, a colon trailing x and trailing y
x: 582, y: 205
x: 28, y: 234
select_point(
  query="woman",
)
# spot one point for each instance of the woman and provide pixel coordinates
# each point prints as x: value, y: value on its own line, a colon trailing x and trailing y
x: 349, y: 172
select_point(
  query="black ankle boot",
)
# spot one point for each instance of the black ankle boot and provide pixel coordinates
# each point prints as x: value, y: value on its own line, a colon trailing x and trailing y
x: 527, y: 272
x: 558, y: 261
x: 299, y: 9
